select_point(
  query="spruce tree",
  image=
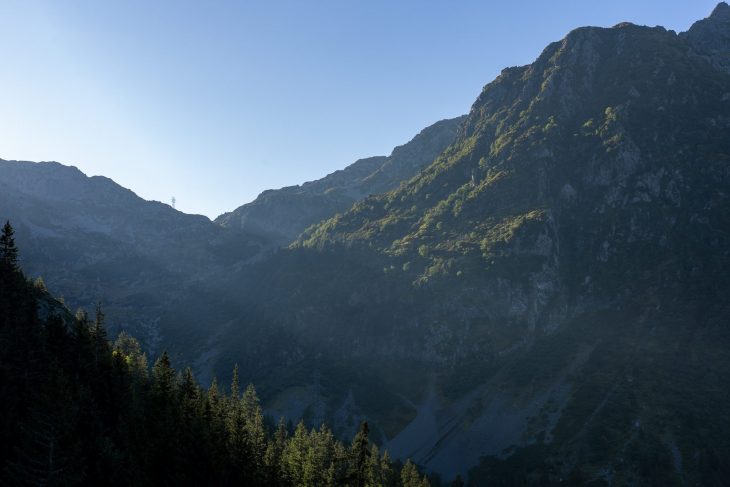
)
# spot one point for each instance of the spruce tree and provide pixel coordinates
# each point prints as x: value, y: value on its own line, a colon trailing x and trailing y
x: 193, y: 458
x: 387, y: 472
x: 213, y: 402
x: 319, y: 458
x: 235, y: 385
x: 236, y: 437
x: 374, y: 471
x: 163, y: 378
x: 409, y: 475
x: 214, y: 417
x: 340, y: 465
x: 273, y: 454
x: 254, y: 428
x: 293, y: 458
x: 163, y: 424
x: 282, y: 433
x: 215, y: 414
x: 98, y: 335
x: 360, y: 456
x: 189, y: 395
x: 8, y: 250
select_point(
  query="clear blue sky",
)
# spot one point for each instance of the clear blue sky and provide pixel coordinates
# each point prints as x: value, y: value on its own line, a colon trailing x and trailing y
x: 215, y: 101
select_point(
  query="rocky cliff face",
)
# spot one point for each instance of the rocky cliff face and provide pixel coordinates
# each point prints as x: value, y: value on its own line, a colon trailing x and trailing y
x: 711, y: 36
x: 566, y: 170
x: 281, y: 215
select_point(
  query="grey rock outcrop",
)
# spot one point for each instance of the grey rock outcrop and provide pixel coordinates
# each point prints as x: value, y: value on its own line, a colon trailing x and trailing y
x: 710, y: 37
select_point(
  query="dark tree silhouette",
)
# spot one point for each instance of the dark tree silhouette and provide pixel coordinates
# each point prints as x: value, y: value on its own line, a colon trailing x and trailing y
x: 76, y: 410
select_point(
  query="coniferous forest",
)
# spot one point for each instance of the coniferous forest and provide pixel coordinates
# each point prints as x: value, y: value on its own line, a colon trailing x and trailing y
x: 78, y: 409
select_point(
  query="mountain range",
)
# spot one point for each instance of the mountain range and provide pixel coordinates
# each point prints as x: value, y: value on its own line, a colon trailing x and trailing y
x: 281, y: 215
x: 534, y: 293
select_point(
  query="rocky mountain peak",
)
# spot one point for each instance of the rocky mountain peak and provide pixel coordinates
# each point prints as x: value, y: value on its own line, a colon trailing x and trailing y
x: 721, y: 12
x: 710, y: 37
x: 570, y: 75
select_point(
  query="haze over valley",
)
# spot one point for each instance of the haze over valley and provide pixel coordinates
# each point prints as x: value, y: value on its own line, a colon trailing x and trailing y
x: 532, y: 293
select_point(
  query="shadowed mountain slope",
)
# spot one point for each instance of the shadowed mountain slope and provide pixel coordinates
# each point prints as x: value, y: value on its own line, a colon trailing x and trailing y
x: 93, y: 240
x: 531, y: 294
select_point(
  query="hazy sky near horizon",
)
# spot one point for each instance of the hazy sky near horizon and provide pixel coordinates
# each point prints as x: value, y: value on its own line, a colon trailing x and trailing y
x: 214, y: 102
